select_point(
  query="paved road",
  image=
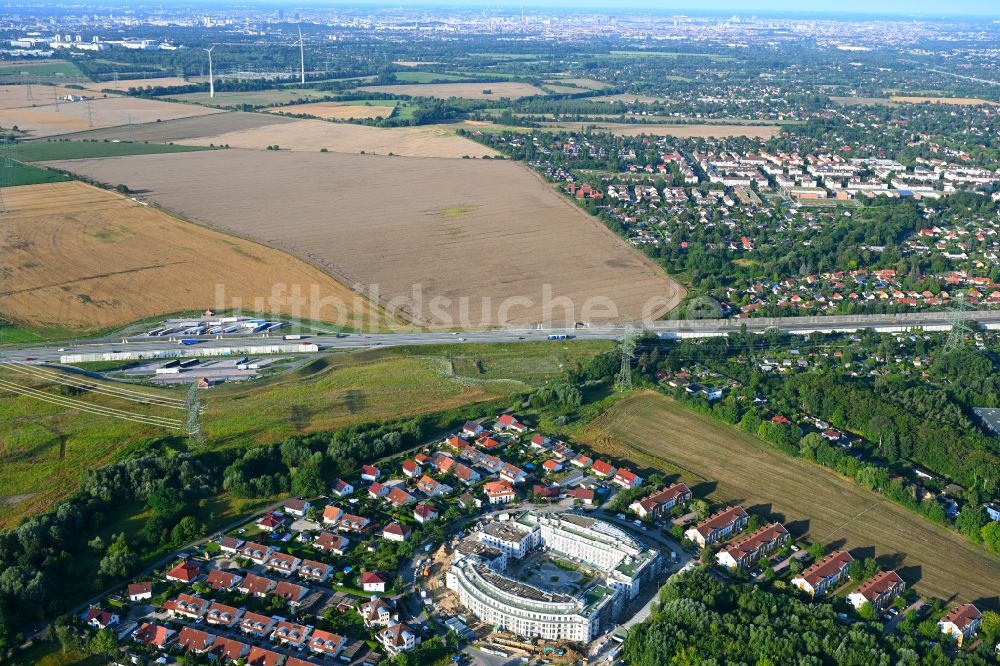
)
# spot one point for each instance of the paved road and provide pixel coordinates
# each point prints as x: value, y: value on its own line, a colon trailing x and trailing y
x: 687, y: 328
x: 894, y: 622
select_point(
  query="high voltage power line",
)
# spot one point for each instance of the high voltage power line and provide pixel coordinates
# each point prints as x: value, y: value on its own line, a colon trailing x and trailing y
x: 627, y: 350
x: 196, y: 438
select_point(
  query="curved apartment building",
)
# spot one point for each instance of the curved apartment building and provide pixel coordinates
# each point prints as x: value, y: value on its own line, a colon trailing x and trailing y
x: 619, y: 564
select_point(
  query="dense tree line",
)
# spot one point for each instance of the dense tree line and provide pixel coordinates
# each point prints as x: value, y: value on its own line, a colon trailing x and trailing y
x: 701, y: 620
x: 43, y: 557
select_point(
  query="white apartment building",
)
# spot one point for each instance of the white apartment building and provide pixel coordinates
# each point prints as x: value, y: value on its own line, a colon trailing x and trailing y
x: 477, y: 575
x: 526, y: 610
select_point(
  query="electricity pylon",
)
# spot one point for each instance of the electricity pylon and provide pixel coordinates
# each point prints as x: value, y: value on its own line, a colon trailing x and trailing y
x: 627, y: 350
x: 196, y: 438
x: 960, y: 326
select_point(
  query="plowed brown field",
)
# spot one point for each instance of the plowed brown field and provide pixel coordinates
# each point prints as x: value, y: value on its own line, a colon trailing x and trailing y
x: 459, y: 230
x: 313, y: 135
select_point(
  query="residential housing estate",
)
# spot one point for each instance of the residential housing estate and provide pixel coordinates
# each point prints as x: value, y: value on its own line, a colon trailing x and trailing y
x: 824, y: 575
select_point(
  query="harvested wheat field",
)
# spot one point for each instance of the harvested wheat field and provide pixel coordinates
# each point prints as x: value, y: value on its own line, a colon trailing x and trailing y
x: 958, y: 101
x: 65, y: 117
x: 16, y: 96
x: 253, y: 98
x: 653, y: 430
x: 448, y: 229
x: 335, y: 110
x: 159, y: 82
x: 509, y: 89
x: 684, y: 131
x: 78, y: 257
x: 313, y: 135
x: 184, y: 129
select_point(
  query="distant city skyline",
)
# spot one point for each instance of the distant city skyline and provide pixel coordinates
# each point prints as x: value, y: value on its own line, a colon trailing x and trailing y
x: 928, y: 8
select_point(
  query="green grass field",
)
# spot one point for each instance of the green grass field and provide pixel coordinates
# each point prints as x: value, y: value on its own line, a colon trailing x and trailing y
x: 52, y: 69
x: 428, y: 77
x: 46, y: 447
x: 52, y: 654
x: 404, y: 108
x: 346, y: 389
x: 25, y: 174
x: 40, y: 151
x: 12, y: 335
x: 656, y: 432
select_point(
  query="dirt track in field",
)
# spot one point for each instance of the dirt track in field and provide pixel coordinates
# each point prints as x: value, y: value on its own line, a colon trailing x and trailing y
x: 78, y: 257
x: 652, y: 429
x: 457, y: 229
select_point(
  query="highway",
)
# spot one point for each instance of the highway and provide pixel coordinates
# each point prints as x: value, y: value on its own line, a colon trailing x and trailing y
x: 686, y: 328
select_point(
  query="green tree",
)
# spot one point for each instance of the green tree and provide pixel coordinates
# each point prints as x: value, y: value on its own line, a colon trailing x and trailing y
x: 970, y: 522
x: 188, y: 529
x: 809, y: 444
x: 104, y: 643
x: 929, y: 629
x: 989, y: 627
x: 991, y: 536
x: 700, y: 507
x: 307, y: 481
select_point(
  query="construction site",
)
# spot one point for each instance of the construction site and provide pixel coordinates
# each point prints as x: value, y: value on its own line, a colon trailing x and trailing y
x: 444, y: 604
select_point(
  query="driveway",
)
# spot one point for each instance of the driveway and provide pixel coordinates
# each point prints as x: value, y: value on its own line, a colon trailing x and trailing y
x: 782, y: 565
x: 894, y: 622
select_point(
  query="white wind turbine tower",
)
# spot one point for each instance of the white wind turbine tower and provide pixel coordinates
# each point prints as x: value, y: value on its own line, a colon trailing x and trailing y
x: 302, y: 57
x: 211, y: 78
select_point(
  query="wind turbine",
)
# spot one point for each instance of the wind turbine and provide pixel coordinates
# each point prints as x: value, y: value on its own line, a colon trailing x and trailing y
x: 211, y: 79
x: 302, y: 56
